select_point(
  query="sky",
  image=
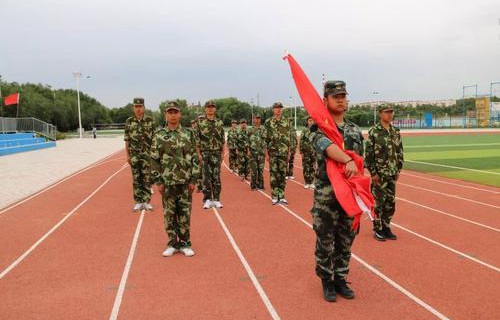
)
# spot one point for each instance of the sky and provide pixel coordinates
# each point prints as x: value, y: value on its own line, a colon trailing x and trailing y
x: 198, y: 50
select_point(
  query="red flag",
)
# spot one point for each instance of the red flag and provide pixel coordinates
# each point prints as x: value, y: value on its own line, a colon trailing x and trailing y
x: 11, y: 99
x: 353, y: 194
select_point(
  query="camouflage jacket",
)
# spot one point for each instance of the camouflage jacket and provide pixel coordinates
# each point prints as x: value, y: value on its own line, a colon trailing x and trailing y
x: 210, y: 135
x: 257, y: 143
x: 384, y: 151
x: 243, y: 143
x: 139, y: 134
x: 293, y: 138
x: 232, y: 137
x: 353, y: 140
x: 174, y: 159
x: 305, y: 145
x: 277, y: 136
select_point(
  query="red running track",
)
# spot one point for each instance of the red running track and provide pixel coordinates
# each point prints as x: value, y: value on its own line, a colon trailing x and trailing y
x: 254, y: 260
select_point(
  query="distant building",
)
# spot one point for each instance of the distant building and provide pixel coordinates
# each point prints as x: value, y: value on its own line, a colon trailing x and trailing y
x: 412, y: 103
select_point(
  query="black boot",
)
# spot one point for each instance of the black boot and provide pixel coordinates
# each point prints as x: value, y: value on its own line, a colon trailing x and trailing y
x: 379, y: 235
x: 388, y: 234
x: 341, y: 287
x: 328, y: 290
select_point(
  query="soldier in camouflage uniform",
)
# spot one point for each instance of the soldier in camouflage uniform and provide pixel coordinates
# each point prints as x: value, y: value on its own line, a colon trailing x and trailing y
x: 139, y: 131
x: 333, y: 227
x: 194, y: 125
x: 257, y: 154
x: 175, y: 170
x: 308, y: 155
x: 277, y: 138
x: 293, y: 150
x: 211, y: 141
x: 232, y: 145
x: 384, y: 159
x: 243, y: 150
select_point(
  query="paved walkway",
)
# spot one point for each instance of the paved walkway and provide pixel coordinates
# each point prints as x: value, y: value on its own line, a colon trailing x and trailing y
x: 23, y: 174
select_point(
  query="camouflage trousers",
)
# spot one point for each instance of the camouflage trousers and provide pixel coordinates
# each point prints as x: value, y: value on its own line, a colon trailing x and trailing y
x: 308, y: 162
x: 141, y: 177
x: 384, y: 193
x: 257, y: 170
x: 277, y: 175
x: 233, y: 159
x: 211, y: 175
x: 243, y: 163
x: 177, y: 201
x: 334, y: 238
x: 291, y: 159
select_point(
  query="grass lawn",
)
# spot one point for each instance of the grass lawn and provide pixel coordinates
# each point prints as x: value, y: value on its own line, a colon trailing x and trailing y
x: 471, y: 157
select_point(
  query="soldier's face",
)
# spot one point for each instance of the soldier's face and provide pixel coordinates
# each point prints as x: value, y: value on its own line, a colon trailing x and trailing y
x: 173, y: 117
x: 257, y: 121
x: 277, y: 112
x: 210, y: 111
x: 139, y: 110
x: 310, y: 122
x: 233, y: 125
x: 336, y: 103
x: 243, y: 125
x: 386, y: 115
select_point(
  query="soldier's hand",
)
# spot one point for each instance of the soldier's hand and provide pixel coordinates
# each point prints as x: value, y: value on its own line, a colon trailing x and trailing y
x: 161, y: 189
x: 350, y: 169
x: 191, y: 188
x: 375, y: 179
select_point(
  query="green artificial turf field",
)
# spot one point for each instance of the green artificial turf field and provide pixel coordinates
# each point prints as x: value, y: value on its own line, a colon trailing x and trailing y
x: 471, y: 157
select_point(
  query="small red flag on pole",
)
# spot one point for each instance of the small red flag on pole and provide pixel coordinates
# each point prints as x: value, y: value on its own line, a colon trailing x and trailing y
x: 11, y: 99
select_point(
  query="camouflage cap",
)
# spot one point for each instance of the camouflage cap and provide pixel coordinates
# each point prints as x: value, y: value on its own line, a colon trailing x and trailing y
x: 277, y: 105
x: 334, y: 87
x: 385, y: 107
x: 139, y: 101
x: 257, y: 116
x: 193, y: 121
x: 243, y: 121
x: 173, y: 105
x: 201, y: 116
x: 210, y: 103
x: 234, y: 121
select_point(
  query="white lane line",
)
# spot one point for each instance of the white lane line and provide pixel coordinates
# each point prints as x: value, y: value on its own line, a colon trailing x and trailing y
x: 453, y: 167
x: 248, y: 269
x: 54, y: 228
x: 391, y: 282
x: 95, y: 164
x: 126, y: 270
x: 449, y: 195
x: 443, y: 245
x: 451, y: 145
x: 448, y: 248
x: 450, y: 183
x: 449, y: 214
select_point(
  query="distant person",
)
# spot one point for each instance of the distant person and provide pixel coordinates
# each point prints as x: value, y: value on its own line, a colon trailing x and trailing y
x: 175, y: 170
x: 232, y: 146
x: 293, y: 150
x: 308, y: 156
x: 194, y: 126
x: 257, y: 154
x: 277, y: 138
x: 210, y: 134
x: 139, y: 131
x: 384, y: 159
x: 94, y: 132
x: 332, y: 225
x: 243, y: 151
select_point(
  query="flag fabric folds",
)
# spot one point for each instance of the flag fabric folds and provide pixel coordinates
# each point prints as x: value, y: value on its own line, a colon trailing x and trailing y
x: 11, y: 99
x: 353, y: 194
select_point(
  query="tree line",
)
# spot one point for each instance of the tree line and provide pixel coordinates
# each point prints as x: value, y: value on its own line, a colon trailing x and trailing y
x: 59, y: 107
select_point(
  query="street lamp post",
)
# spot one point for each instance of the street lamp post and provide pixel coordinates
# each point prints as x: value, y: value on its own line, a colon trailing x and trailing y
x: 374, y: 108
x: 78, y: 76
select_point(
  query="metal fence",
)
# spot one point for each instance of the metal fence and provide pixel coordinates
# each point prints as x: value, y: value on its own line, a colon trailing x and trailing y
x: 28, y: 125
